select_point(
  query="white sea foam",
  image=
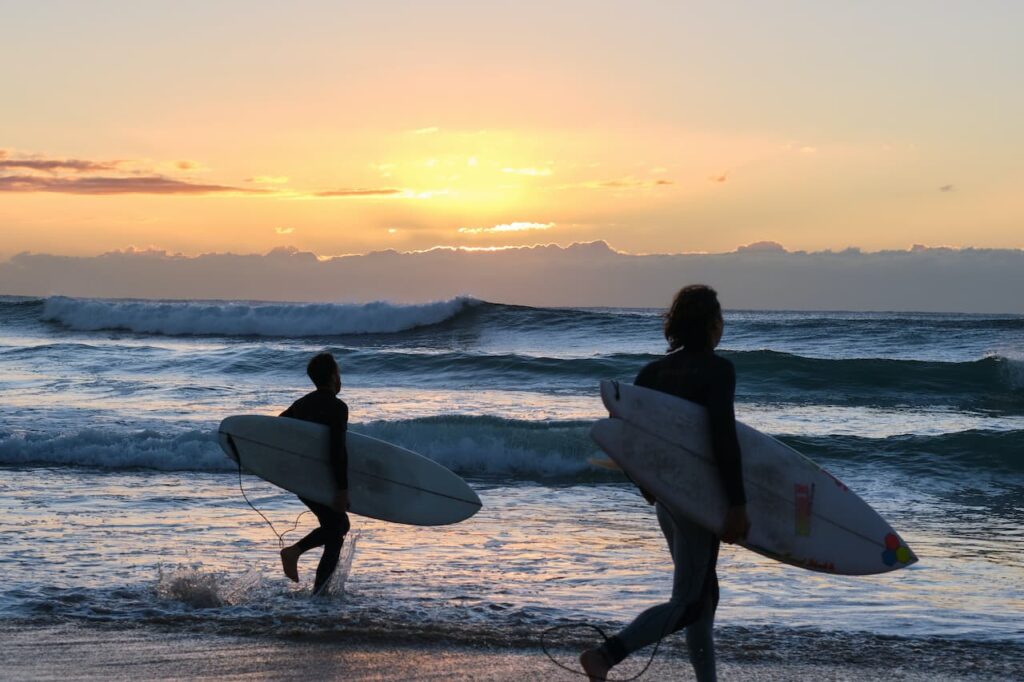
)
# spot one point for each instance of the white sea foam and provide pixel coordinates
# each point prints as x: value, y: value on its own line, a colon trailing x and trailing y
x: 474, y: 446
x: 1013, y: 367
x: 480, y: 445
x: 249, y: 319
x: 199, y: 588
x: 196, y: 586
x: 490, y: 445
x: 185, y: 451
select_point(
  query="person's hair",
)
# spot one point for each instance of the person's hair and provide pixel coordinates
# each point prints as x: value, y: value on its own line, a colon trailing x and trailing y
x: 692, y: 317
x: 321, y: 368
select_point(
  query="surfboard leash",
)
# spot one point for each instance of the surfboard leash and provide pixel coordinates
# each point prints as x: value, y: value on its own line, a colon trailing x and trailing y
x: 544, y: 647
x: 650, y: 660
x: 280, y: 536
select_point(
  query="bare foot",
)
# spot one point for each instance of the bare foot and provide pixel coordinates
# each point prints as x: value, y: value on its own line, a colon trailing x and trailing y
x: 595, y: 665
x: 290, y: 563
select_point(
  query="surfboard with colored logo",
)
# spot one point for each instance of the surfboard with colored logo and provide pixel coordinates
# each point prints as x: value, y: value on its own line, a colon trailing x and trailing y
x: 800, y: 514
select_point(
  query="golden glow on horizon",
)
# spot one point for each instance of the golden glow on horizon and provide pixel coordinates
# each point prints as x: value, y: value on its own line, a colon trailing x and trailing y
x: 430, y: 189
x: 508, y: 227
x: 356, y: 130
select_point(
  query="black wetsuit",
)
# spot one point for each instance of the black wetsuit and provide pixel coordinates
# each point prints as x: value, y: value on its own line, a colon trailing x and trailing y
x: 323, y: 407
x: 709, y: 380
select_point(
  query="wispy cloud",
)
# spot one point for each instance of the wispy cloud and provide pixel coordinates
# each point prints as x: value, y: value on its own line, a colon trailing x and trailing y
x: 425, y: 131
x: 359, y: 192
x: 627, y: 183
x: 424, y: 194
x: 719, y: 178
x: 284, y: 230
x: 38, y: 173
x: 947, y: 188
x: 99, y: 185
x: 507, y: 227
x: 801, y: 148
x: 54, y: 165
x: 535, y: 172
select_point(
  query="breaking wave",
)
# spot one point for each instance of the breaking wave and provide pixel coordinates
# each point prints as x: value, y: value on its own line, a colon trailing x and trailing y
x: 179, y: 318
x: 508, y: 448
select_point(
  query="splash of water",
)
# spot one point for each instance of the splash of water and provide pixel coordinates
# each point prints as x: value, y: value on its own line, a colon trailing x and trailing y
x: 199, y: 588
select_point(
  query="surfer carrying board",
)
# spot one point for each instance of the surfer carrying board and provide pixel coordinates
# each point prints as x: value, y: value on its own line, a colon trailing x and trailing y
x: 691, y: 370
x: 323, y: 407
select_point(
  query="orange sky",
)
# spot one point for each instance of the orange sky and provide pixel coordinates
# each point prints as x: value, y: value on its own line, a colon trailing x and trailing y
x: 654, y: 126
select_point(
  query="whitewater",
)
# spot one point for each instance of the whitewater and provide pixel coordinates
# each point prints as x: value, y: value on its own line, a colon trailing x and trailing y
x: 109, y: 409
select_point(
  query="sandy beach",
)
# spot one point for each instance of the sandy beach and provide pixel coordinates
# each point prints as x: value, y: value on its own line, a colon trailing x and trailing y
x: 73, y: 652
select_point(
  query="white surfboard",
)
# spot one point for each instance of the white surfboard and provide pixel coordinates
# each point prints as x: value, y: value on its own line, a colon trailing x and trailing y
x: 385, y: 481
x: 799, y: 513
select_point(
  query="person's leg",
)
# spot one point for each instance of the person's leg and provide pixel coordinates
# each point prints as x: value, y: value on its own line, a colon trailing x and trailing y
x: 333, y: 525
x: 319, y: 536
x: 694, y: 553
x: 700, y: 633
x: 701, y: 643
x: 315, y: 538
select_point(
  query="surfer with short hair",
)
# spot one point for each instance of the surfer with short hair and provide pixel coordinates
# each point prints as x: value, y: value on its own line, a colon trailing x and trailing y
x: 690, y: 370
x: 323, y: 407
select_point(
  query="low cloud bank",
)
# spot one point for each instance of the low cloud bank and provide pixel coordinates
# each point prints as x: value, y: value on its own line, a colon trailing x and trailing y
x: 764, y: 277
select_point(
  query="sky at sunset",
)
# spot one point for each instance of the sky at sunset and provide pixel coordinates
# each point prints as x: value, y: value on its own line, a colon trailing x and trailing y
x: 658, y: 127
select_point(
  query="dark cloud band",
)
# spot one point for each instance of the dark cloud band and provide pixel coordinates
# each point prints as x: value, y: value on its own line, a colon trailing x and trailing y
x: 357, y: 192
x: 54, y: 165
x: 153, y: 184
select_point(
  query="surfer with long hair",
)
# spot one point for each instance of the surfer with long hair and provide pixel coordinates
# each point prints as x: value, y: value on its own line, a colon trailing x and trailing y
x: 690, y: 370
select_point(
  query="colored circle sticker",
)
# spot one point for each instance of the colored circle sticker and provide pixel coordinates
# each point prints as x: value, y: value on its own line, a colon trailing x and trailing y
x: 903, y: 555
x: 892, y: 542
x: 888, y: 557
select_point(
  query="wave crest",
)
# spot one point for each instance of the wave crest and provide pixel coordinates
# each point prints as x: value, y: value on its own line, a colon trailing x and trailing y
x: 176, y: 318
x: 493, y: 446
x: 467, y: 445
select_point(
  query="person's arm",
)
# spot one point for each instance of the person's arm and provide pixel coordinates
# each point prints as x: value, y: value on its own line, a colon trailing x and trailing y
x: 726, y: 448
x: 339, y: 451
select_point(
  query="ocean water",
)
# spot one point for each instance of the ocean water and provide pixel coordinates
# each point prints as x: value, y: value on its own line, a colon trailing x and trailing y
x: 117, y: 506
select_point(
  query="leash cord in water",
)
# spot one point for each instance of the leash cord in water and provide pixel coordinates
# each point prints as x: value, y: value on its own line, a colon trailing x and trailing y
x: 544, y: 647
x: 654, y: 652
x: 280, y: 536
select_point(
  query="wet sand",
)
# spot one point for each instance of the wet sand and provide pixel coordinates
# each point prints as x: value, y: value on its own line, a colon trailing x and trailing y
x: 73, y: 652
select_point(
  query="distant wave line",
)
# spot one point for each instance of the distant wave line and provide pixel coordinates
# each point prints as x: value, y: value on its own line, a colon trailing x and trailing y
x: 494, y: 446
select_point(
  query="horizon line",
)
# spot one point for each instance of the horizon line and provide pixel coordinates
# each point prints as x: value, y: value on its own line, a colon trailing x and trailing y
x: 755, y: 248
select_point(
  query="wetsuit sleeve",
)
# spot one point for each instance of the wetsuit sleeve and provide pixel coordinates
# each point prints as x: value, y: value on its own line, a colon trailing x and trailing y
x: 339, y: 452
x: 722, y: 421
